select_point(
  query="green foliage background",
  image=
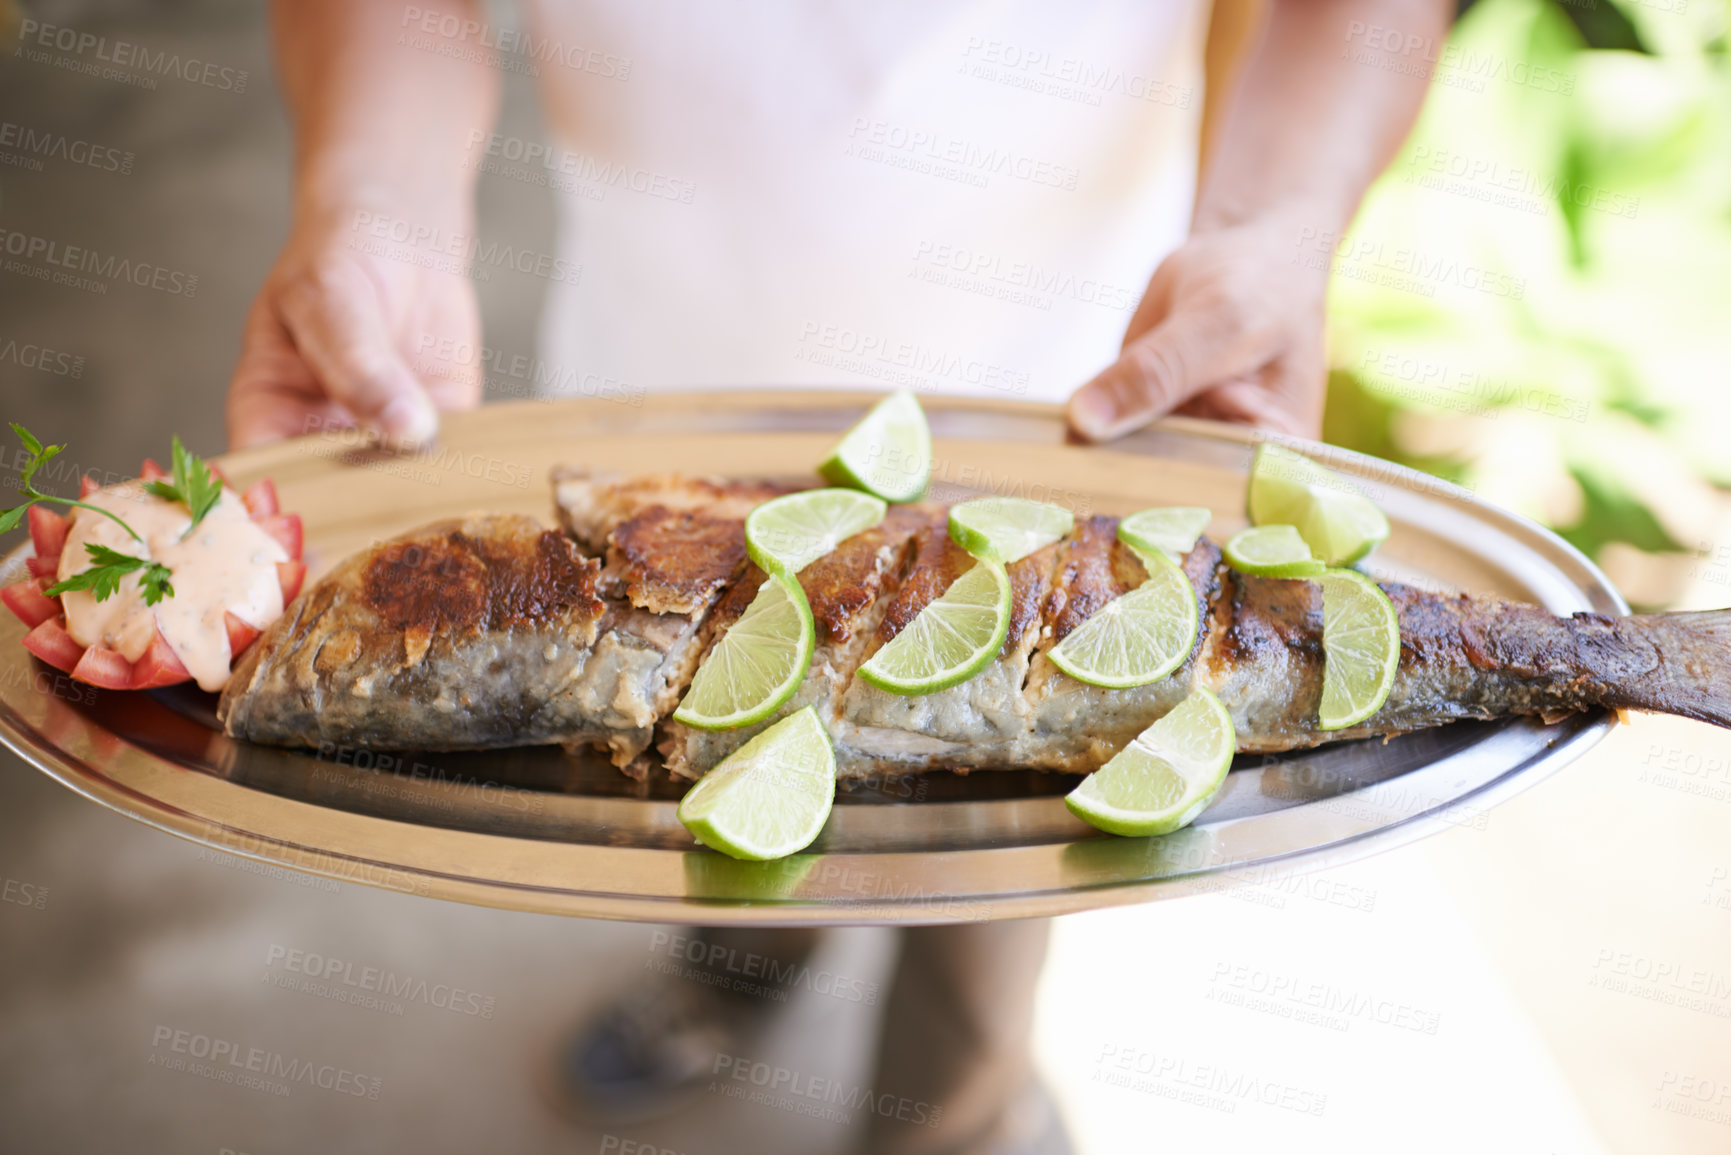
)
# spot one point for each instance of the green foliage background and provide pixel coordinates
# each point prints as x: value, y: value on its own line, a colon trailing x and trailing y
x: 1536, y: 298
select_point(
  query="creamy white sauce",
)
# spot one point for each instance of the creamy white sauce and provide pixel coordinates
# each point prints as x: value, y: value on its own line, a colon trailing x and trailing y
x: 226, y: 564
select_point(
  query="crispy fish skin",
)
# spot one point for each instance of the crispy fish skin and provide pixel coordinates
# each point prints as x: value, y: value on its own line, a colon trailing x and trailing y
x: 1259, y: 648
x: 467, y: 633
x: 1461, y: 657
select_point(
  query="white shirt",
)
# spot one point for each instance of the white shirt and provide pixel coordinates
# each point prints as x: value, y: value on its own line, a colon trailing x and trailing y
x: 949, y: 195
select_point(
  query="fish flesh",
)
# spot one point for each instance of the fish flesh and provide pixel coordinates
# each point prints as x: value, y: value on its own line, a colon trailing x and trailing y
x: 493, y: 631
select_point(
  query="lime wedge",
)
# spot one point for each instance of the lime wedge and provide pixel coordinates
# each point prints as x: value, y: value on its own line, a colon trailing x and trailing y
x: 1007, y: 528
x: 1165, y: 777
x: 1360, y: 648
x: 888, y: 453
x: 1337, y: 521
x: 949, y: 641
x: 1275, y: 551
x: 758, y: 663
x: 789, y: 533
x: 1171, y: 530
x: 770, y: 797
x: 1138, y: 638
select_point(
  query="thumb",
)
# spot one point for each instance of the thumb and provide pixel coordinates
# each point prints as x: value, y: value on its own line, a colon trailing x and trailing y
x: 1158, y: 371
x: 334, y: 318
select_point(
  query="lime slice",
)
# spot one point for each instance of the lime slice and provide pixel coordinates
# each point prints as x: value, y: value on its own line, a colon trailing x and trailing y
x: 1360, y: 648
x: 1138, y: 638
x: 888, y: 453
x: 949, y: 641
x: 789, y: 533
x: 770, y: 797
x: 1007, y: 528
x: 1275, y: 551
x: 758, y: 663
x: 1337, y: 521
x: 1171, y: 530
x: 1165, y: 777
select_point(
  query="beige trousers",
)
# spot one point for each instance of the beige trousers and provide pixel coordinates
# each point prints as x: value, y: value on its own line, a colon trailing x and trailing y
x: 953, y: 1059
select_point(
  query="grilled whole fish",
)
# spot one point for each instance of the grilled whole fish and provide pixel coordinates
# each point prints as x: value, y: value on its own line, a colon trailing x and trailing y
x: 491, y: 631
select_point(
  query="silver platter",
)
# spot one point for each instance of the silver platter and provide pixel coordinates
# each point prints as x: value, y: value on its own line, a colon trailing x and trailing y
x: 543, y: 830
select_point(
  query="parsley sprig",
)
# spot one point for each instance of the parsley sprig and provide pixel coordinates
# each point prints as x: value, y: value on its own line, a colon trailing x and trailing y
x: 103, y: 578
x: 194, y: 485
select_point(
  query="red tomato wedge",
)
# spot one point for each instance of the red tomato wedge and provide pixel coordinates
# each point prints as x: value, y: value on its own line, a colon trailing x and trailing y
x: 50, y: 642
x: 43, y: 566
x: 290, y: 575
x: 260, y: 498
x: 103, y: 667
x: 27, y: 600
x: 286, y: 528
x: 47, y: 531
x: 157, y: 666
x: 240, y: 634
x: 151, y: 471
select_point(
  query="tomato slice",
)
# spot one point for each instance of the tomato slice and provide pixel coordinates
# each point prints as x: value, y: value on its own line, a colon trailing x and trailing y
x: 43, y: 566
x: 290, y: 575
x: 50, y: 642
x: 240, y: 634
x: 260, y: 498
x: 151, y: 471
x: 87, y: 485
x: 286, y: 528
x: 157, y: 666
x: 27, y: 600
x: 103, y: 667
x: 47, y: 531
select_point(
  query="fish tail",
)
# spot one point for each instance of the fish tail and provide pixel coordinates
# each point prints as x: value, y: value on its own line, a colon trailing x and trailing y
x: 1690, y: 665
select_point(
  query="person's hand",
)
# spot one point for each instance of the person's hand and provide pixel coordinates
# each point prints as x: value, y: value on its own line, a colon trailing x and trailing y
x: 1231, y: 328
x: 332, y: 337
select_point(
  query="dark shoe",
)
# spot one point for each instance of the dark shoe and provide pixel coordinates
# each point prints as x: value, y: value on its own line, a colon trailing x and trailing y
x: 648, y: 1054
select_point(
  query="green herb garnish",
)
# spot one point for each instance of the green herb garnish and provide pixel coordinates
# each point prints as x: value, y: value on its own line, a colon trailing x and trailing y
x: 194, y: 486
x: 111, y: 565
x: 103, y: 578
